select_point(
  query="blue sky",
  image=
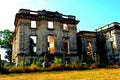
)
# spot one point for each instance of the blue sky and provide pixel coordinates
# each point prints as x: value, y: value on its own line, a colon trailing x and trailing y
x: 91, y: 13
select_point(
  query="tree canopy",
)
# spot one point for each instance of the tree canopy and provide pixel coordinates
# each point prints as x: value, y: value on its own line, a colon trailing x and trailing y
x: 5, y: 42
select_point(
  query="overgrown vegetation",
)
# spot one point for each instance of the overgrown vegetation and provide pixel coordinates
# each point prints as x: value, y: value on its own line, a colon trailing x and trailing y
x: 25, y: 69
x: 95, y: 74
x: 57, y: 60
x: 3, y: 70
x: 53, y: 67
x: 56, y: 65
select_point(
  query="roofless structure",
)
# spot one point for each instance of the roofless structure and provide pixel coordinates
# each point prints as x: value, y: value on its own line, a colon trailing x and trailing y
x: 42, y: 35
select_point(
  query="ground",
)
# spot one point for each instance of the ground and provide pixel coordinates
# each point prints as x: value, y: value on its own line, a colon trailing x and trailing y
x: 95, y: 74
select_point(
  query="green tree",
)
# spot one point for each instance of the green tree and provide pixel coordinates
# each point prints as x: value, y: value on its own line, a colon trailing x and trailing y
x: 5, y: 42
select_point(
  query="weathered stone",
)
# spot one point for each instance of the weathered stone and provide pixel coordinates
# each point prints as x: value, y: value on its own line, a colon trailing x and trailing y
x: 24, y: 30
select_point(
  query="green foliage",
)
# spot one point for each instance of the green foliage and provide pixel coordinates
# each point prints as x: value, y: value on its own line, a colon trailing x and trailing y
x: 53, y: 67
x: 5, y: 38
x: 21, y: 63
x: 5, y: 42
x: 36, y: 62
x: 2, y: 62
x: 57, y: 60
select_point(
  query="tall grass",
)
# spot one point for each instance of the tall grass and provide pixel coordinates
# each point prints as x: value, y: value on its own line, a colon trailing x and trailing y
x: 53, y: 67
x: 95, y: 74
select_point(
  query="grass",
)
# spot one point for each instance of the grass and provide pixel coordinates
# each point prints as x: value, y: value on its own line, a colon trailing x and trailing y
x: 95, y: 74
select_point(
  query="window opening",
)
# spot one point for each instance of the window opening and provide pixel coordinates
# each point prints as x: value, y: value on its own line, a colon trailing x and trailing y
x: 51, y: 44
x: 33, y: 13
x: 65, y: 27
x: 33, y: 47
x: 33, y: 24
x: 50, y: 24
x: 66, y: 44
x: 89, y: 48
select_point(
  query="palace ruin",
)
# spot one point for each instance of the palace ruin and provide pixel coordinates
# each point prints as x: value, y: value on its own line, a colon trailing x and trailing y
x: 40, y: 34
x: 44, y: 35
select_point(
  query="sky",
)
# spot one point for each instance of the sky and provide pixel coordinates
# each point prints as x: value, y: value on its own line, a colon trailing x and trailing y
x: 91, y: 13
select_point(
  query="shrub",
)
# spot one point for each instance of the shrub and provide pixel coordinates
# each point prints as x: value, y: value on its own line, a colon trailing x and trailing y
x: 36, y: 62
x: 56, y: 67
x: 93, y: 66
x: 73, y: 66
x: 15, y: 69
x: 90, y: 60
x: 3, y: 70
x: 57, y: 60
x: 26, y: 69
x: 32, y: 68
x: 21, y: 63
x: 102, y: 65
x: 116, y: 66
x: 113, y: 66
x: 84, y: 67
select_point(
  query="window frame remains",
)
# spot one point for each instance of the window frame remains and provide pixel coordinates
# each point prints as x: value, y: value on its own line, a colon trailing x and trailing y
x: 51, y: 45
x: 66, y: 45
x: 65, y: 27
x: 33, y: 44
x: 50, y: 25
x: 33, y: 24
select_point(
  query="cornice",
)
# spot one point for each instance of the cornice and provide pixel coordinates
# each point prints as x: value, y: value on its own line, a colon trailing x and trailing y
x: 45, y: 15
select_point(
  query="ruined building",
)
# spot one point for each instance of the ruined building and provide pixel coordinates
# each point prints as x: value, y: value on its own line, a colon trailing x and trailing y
x: 112, y: 39
x: 86, y: 44
x: 44, y: 34
x: 103, y: 45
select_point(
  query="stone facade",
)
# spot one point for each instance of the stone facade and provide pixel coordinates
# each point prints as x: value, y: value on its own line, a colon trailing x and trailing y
x: 40, y: 33
x: 44, y: 35
x: 112, y: 33
x: 87, y: 44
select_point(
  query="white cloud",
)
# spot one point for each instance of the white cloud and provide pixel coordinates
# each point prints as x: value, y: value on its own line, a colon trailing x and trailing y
x: 33, y: 5
x: 9, y: 8
x: 24, y: 0
x: 40, y: 2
